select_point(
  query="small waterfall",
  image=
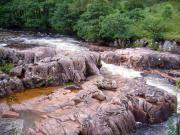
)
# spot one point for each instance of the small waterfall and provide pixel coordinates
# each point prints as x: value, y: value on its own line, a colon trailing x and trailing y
x: 122, y: 71
x: 151, y: 80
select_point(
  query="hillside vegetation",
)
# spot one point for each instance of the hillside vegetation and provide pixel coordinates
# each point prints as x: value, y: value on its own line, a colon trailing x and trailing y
x: 96, y: 19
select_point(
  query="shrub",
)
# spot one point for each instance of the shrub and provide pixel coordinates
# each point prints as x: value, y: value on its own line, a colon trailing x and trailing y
x: 132, y: 4
x: 88, y: 25
x: 167, y: 12
x: 155, y: 28
x: 154, y: 46
x: 136, y: 15
x: 115, y: 26
x: 6, y: 68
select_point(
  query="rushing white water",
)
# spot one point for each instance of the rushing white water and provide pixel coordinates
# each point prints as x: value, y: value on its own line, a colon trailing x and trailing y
x: 60, y: 43
x: 2, y: 44
x: 163, y: 84
x: 122, y: 71
x: 151, y: 80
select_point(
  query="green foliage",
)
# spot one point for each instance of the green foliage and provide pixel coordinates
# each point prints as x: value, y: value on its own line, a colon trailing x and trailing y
x: 178, y: 83
x: 62, y: 20
x: 115, y: 26
x: 133, y: 4
x: 136, y: 15
x: 167, y: 12
x: 155, y: 28
x: 90, y: 19
x: 6, y: 68
x: 69, y: 83
x: 88, y: 26
x: 153, y: 45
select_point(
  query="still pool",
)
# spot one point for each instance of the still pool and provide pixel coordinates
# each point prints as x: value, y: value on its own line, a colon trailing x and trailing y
x: 28, y: 94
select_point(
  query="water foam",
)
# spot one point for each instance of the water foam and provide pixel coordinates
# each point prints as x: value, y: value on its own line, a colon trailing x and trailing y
x: 122, y: 71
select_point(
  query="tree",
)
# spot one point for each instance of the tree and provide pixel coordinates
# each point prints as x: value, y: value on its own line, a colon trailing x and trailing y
x: 88, y: 26
x: 133, y: 4
x: 167, y: 12
x: 155, y: 27
x: 136, y: 15
x: 115, y: 26
x: 62, y: 20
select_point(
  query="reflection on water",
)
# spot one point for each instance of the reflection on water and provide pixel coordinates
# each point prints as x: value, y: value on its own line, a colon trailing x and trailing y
x: 29, y: 118
x: 28, y: 94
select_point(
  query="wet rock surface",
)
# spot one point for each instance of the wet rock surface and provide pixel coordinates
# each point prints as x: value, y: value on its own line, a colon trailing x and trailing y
x: 99, y: 105
x: 107, y: 84
x: 46, y: 67
x: 171, y: 75
x: 142, y: 58
x: 11, y: 126
x: 93, y: 111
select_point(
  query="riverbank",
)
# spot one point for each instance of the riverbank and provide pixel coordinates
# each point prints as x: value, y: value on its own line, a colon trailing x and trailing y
x: 106, y: 90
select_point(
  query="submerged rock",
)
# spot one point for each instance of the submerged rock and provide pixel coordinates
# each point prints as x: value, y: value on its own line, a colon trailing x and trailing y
x: 11, y: 126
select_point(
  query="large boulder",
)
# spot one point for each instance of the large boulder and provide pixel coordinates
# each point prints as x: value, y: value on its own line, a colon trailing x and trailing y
x: 46, y: 67
x: 142, y: 58
x: 170, y: 46
x: 19, y: 57
x: 10, y: 86
x: 63, y: 68
x: 107, y: 84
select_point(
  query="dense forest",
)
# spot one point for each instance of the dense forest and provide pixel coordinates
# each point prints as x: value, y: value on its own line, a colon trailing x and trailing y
x: 96, y: 19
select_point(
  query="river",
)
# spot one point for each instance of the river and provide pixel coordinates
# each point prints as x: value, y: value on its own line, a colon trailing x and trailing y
x: 22, y: 40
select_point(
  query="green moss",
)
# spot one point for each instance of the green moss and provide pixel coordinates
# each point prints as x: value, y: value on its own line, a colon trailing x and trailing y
x: 6, y: 68
x: 136, y: 45
x: 69, y: 83
x: 153, y: 46
x: 50, y: 80
x: 178, y: 83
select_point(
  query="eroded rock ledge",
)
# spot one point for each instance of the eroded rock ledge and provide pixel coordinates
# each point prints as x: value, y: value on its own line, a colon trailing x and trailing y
x: 102, y: 107
x: 45, y: 66
x: 94, y: 111
x: 142, y: 58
